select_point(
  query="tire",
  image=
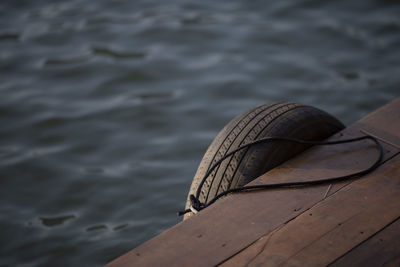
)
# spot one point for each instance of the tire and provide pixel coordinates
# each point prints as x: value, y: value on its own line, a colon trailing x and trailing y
x: 279, y: 120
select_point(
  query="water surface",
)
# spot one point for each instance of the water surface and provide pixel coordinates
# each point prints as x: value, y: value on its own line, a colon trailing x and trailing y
x: 106, y: 107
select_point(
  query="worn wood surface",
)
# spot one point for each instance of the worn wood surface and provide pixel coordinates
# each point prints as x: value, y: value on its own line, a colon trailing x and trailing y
x: 332, y: 227
x: 379, y: 250
x: 235, y: 230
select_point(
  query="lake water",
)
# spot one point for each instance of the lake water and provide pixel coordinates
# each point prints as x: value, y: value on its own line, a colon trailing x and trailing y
x: 106, y: 107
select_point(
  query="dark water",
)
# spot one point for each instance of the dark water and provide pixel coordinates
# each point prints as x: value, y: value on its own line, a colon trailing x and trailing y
x: 106, y: 107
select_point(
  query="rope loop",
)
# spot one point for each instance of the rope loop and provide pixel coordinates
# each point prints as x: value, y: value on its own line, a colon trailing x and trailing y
x: 196, y: 205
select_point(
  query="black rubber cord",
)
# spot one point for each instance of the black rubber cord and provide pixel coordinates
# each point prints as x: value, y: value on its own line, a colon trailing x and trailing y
x: 196, y: 205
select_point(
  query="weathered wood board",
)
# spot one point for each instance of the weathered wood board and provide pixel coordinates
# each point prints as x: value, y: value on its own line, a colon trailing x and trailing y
x: 297, y: 226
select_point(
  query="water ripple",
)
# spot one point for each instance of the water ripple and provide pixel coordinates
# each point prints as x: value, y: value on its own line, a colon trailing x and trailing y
x: 55, y: 221
x: 117, y: 54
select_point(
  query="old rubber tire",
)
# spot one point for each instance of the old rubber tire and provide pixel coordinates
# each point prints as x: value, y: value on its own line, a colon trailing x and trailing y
x: 278, y: 119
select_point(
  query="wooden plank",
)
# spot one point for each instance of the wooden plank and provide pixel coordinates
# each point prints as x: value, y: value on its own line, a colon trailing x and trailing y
x: 332, y: 227
x: 229, y: 225
x: 393, y: 262
x: 235, y: 222
x: 382, y: 248
x: 385, y: 121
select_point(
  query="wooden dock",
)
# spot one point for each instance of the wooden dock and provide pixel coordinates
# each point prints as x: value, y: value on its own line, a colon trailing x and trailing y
x: 352, y: 223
